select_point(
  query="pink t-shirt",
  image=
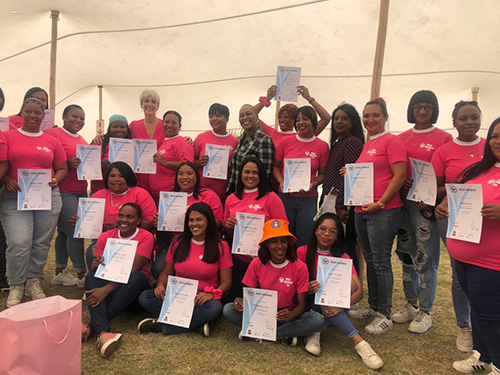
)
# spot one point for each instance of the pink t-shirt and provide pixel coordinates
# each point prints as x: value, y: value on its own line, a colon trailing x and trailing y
x: 172, y: 149
x: 139, y: 131
x: 302, y: 251
x: 487, y: 252
x: 144, y: 247
x: 200, y: 143
x: 383, y: 150
x: 69, y: 141
x: 210, y: 198
x: 300, y: 148
x: 451, y: 159
x: 3, y: 147
x: 275, y: 135
x: 32, y: 151
x: 195, y: 268
x: 134, y: 195
x: 288, y: 279
x: 15, y: 122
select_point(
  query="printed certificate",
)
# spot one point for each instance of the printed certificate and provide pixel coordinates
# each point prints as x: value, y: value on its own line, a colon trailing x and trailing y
x: 297, y: 175
x: 49, y: 120
x: 90, y: 217
x: 144, y: 149
x: 248, y: 231
x: 218, y: 161
x: 259, y: 313
x: 334, y: 277
x: 424, y: 187
x: 121, y: 150
x: 178, y: 305
x: 36, y: 193
x: 465, y: 222
x: 118, y: 260
x: 90, y: 167
x: 4, y: 124
x: 358, y: 184
x: 287, y: 81
x: 172, y: 211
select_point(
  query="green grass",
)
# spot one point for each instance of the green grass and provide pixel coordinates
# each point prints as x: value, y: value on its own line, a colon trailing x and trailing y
x: 222, y: 353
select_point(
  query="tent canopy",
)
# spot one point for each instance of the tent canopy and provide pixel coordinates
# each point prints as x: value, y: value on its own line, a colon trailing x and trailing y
x: 197, y: 53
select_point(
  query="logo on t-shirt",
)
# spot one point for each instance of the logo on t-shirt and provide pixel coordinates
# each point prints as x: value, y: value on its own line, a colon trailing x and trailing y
x: 372, y: 152
x: 286, y: 280
x: 494, y: 182
x: 427, y: 146
x: 311, y: 154
x: 255, y: 207
x: 46, y: 149
x: 162, y: 151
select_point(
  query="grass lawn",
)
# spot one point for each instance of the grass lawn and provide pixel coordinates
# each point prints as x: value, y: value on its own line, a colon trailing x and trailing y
x: 222, y: 353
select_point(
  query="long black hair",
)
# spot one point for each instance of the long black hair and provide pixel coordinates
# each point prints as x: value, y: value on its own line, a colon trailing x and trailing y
x: 488, y: 159
x: 263, y: 186
x: 338, y: 248
x: 197, y: 186
x: 212, y: 240
x: 356, y: 126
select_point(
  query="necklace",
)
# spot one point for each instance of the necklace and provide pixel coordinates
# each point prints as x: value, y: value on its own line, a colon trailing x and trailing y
x: 122, y: 195
x: 422, y: 144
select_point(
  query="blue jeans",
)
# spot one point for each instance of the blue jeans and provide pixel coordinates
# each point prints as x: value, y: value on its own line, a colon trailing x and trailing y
x: 89, y: 253
x: 418, y: 249
x: 300, y: 212
x: 376, y: 234
x: 460, y: 300
x: 206, y: 313
x: 482, y: 286
x: 28, y: 236
x: 305, y: 325
x: 116, y: 301
x: 65, y: 244
x: 341, y: 321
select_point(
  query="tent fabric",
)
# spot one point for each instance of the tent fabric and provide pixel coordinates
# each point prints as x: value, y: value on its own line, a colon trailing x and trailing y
x: 197, y: 53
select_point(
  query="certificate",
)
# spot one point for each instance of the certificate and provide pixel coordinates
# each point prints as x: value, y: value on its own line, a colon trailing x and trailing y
x: 36, y: 193
x: 248, y: 231
x: 259, y: 313
x: 218, y: 161
x: 90, y: 167
x: 144, y: 149
x: 49, y: 120
x: 287, y: 80
x: 4, y: 124
x: 172, y: 211
x: 464, y: 208
x: 178, y: 305
x: 334, y: 277
x: 358, y: 184
x: 118, y: 260
x: 121, y: 150
x: 297, y: 175
x: 424, y: 187
x: 90, y: 218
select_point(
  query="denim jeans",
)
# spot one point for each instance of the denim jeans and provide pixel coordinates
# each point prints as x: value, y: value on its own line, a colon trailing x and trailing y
x: 28, y: 236
x: 3, y: 250
x: 418, y: 249
x: 116, y: 301
x: 460, y: 300
x: 376, y: 234
x: 300, y: 212
x: 482, y: 286
x: 341, y: 321
x: 305, y: 325
x: 206, y: 313
x: 238, y: 273
x: 65, y: 244
x: 89, y: 253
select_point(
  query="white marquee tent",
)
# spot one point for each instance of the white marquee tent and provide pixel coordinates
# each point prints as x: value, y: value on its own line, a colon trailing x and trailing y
x: 195, y: 53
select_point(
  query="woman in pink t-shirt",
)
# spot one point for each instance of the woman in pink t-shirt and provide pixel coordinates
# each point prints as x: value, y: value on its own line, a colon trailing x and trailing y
x: 377, y: 222
x: 328, y: 240
x: 71, y: 190
x: 106, y: 299
x: 478, y: 264
x: 196, y: 254
x: 150, y: 127
x: 16, y: 121
x: 29, y: 232
x: 277, y: 268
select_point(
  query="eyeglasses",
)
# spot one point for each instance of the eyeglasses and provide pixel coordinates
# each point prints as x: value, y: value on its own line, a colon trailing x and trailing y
x: 425, y: 107
x: 324, y: 229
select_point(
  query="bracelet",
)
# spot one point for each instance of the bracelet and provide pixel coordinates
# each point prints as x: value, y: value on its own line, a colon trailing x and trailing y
x: 381, y: 205
x: 263, y: 100
x: 217, y: 293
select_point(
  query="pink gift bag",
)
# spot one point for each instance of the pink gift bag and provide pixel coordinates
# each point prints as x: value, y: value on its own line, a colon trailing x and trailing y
x: 41, y: 337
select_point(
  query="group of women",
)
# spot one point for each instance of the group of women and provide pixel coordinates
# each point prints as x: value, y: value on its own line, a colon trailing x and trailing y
x: 292, y: 239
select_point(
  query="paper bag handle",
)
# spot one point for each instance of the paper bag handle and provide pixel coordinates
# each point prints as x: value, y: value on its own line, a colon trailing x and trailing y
x: 67, y: 333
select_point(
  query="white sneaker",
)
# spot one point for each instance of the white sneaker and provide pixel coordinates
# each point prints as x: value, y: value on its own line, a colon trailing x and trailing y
x: 64, y: 278
x: 362, y: 313
x: 494, y: 370
x: 15, y: 295
x: 80, y: 283
x: 464, y: 339
x: 472, y: 364
x: 379, y: 325
x: 313, y: 344
x: 34, y: 289
x: 406, y: 314
x: 368, y: 355
x: 421, y: 324
x: 206, y: 330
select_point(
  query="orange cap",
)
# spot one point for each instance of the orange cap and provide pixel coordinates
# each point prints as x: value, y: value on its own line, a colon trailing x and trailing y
x: 277, y: 228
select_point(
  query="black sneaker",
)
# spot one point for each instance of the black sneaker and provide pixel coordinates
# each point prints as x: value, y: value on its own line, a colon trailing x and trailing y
x: 148, y: 325
x: 4, y: 285
x: 289, y: 341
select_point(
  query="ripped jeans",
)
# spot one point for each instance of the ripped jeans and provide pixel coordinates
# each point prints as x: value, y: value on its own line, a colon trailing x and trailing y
x: 418, y: 249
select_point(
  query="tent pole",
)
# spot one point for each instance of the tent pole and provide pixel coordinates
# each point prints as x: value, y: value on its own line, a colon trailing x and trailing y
x: 54, y: 14
x: 474, y: 91
x: 379, y: 52
x: 100, y: 121
x: 276, y: 121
